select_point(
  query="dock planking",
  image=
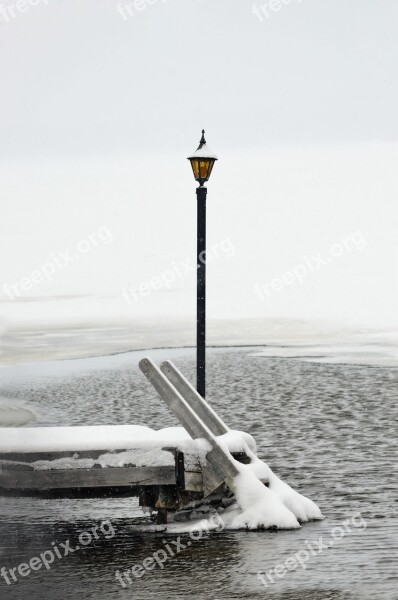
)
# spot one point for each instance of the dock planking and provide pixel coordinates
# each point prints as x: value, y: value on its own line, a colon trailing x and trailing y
x: 168, y: 485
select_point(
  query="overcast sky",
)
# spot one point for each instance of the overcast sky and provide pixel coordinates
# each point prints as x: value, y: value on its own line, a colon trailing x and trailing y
x: 100, y: 108
x: 77, y: 77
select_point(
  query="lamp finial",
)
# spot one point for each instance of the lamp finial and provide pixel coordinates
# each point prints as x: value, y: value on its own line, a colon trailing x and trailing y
x: 202, y: 139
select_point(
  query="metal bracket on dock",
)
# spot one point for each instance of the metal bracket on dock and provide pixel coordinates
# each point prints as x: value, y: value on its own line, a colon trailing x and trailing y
x: 198, y: 418
x: 194, y: 399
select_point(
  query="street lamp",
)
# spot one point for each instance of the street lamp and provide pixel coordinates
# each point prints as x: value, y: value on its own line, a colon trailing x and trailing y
x: 202, y: 162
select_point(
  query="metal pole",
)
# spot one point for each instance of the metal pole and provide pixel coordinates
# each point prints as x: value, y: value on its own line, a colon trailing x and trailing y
x: 201, y: 293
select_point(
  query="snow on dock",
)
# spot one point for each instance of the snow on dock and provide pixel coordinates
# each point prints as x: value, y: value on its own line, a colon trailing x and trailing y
x: 108, y: 437
x: 169, y: 470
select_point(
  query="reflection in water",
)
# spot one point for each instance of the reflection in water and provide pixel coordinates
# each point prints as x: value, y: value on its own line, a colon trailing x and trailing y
x: 329, y: 430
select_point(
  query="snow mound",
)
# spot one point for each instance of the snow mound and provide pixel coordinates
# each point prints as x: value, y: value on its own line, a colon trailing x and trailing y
x: 260, y: 507
x: 302, y: 507
x: 266, y: 501
x: 262, y: 500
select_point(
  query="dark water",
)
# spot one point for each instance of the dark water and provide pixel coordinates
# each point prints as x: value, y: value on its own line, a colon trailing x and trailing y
x: 328, y: 430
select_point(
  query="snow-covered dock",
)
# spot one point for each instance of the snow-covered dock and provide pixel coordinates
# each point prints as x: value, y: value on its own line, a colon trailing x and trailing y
x: 163, y: 468
x: 169, y: 470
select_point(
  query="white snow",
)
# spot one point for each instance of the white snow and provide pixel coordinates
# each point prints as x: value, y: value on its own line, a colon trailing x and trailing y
x: 238, y: 441
x: 363, y: 351
x: 63, y: 439
x: 257, y: 505
x: 277, y: 505
x: 139, y: 457
x: 260, y: 506
x: 280, y: 503
x: 204, y: 152
x: 110, y: 437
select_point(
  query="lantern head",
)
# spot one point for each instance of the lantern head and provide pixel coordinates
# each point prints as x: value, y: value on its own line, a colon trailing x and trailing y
x: 202, y: 161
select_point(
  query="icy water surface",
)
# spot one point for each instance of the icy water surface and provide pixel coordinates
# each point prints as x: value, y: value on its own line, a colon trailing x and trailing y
x: 329, y: 430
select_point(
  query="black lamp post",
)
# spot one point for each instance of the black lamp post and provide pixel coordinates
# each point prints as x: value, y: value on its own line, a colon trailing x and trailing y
x: 202, y: 162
